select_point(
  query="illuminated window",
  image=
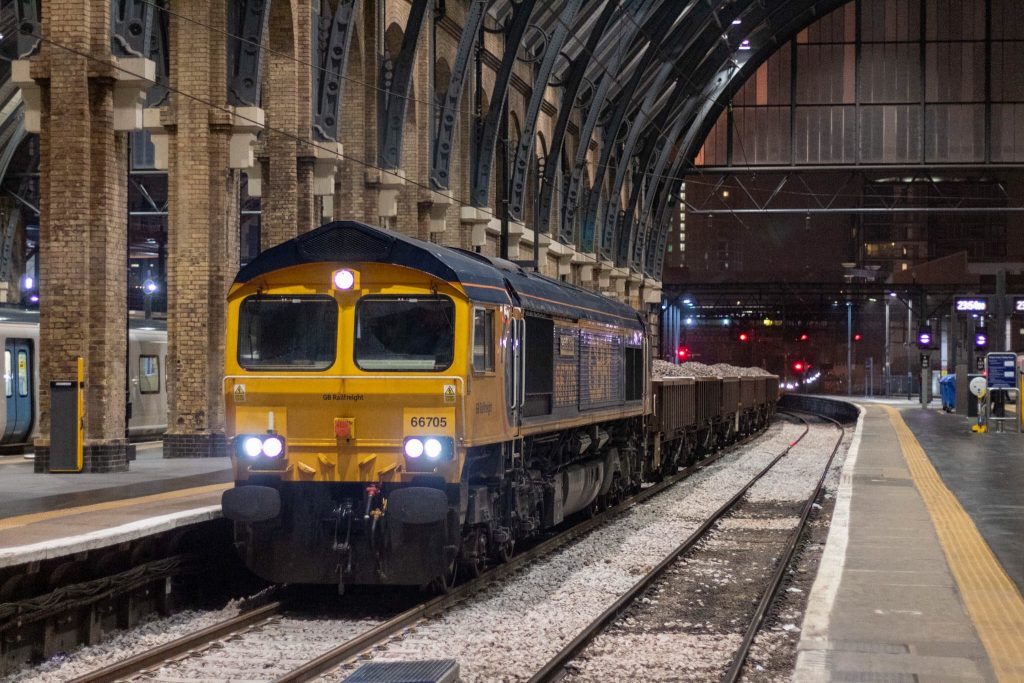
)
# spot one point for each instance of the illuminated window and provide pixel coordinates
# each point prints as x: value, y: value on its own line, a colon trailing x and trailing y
x: 149, y: 375
x: 483, y: 340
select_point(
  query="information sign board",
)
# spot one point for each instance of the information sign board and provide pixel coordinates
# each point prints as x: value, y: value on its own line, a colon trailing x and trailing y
x: 1002, y: 370
x: 971, y: 304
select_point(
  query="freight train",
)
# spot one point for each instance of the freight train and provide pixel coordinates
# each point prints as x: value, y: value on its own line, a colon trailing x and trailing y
x: 402, y: 412
x: 19, y: 404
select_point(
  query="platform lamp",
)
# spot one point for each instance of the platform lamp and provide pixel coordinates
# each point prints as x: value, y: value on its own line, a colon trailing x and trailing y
x: 149, y: 289
x: 29, y: 291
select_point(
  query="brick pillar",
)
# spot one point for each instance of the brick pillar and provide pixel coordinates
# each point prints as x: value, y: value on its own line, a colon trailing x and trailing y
x: 280, y: 221
x: 202, y: 233
x: 83, y: 228
x: 306, y: 217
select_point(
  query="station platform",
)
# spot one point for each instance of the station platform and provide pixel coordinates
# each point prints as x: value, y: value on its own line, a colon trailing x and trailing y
x: 49, y: 515
x: 922, y: 573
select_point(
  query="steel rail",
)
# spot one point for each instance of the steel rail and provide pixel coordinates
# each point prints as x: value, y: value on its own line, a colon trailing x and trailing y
x: 740, y: 657
x: 338, y: 655
x: 162, y: 653
x: 554, y: 667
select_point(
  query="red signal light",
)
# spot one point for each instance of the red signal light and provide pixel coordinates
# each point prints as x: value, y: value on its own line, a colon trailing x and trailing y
x: 799, y: 366
x: 856, y: 337
x: 744, y: 337
x: 803, y: 337
x: 683, y: 353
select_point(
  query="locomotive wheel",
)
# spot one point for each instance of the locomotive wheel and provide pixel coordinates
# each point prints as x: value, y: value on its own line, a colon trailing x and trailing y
x: 473, y: 557
x: 444, y: 583
x: 504, y: 551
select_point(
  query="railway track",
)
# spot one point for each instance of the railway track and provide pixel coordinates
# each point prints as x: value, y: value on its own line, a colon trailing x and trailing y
x: 559, y: 665
x: 266, y: 617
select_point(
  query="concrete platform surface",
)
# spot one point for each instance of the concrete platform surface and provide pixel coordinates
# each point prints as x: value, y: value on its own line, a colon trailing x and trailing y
x: 907, y: 589
x: 51, y: 515
x: 986, y: 474
x: 23, y: 491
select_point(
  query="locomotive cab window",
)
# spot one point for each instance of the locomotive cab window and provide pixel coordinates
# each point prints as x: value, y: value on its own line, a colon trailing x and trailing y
x: 483, y: 340
x: 287, y: 332
x: 8, y: 374
x: 402, y: 333
x: 149, y: 375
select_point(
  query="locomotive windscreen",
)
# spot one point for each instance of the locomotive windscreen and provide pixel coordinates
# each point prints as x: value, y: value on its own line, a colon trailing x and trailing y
x: 404, y: 333
x: 287, y: 332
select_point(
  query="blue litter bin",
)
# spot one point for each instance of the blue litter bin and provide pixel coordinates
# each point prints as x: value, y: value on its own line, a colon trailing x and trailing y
x: 947, y: 391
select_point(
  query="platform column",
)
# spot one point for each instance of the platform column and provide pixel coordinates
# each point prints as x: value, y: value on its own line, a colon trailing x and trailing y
x: 288, y: 199
x: 83, y: 218
x: 202, y: 228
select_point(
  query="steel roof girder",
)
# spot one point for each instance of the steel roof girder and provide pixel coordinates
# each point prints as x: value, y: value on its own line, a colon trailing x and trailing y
x: 487, y: 135
x: 29, y: 15
x: 131, y: 27
x: 570, y: 91
x: 610, y: 134
x: 604, y: 85
x: 443, y: 142
x: 332, y: 40
x: 247, y: 24
x: 610, y: 232
x: 396, y: 80
x: 521, y: 164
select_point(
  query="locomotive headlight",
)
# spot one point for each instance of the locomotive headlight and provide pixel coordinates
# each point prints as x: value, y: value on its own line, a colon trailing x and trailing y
x: 414, y: 447
x: 272, y: 447
x: 344, y: 279
x: 432, y: 447
x: 252, y: 446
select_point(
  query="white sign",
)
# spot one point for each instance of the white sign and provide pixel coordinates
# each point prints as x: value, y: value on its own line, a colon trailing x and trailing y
x: 1018, y: 305
x: 971, y: 305
x: 978, y: 386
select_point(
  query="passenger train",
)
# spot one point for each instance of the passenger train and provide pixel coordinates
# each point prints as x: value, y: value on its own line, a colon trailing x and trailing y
x: 402, y: 411
x: 19, y: 334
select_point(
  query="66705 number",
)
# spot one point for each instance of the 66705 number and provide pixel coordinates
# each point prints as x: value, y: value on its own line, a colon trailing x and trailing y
x: 428, y: 422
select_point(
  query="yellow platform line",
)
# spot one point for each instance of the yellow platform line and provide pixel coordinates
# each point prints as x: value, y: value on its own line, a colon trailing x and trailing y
x: 23, y: 520
x: 993, y: 601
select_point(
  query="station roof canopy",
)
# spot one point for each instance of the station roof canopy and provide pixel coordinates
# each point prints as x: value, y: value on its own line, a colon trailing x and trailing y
x: 694, y: 53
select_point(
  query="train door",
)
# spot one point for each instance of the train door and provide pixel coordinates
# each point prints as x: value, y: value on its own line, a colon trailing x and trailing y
x: 18, y: 389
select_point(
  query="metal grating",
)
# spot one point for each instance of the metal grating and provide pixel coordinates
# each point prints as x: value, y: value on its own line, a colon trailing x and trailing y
x: 600, y: 370
x: 426, y: 671
x: 345, y: 243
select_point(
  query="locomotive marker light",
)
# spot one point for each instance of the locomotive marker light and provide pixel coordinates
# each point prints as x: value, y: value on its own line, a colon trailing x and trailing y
x: 256, y: 445
x: 273, y: 447
x: 413, y: 447
x: 252, y: 446
x: 432, y: 447
x: 345, y: 280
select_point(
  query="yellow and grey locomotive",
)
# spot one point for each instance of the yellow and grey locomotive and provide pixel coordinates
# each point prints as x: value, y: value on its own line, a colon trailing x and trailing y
x: 402, y: 411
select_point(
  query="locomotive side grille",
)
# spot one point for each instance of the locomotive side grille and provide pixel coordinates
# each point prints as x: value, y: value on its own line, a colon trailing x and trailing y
x: 345, y: 243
